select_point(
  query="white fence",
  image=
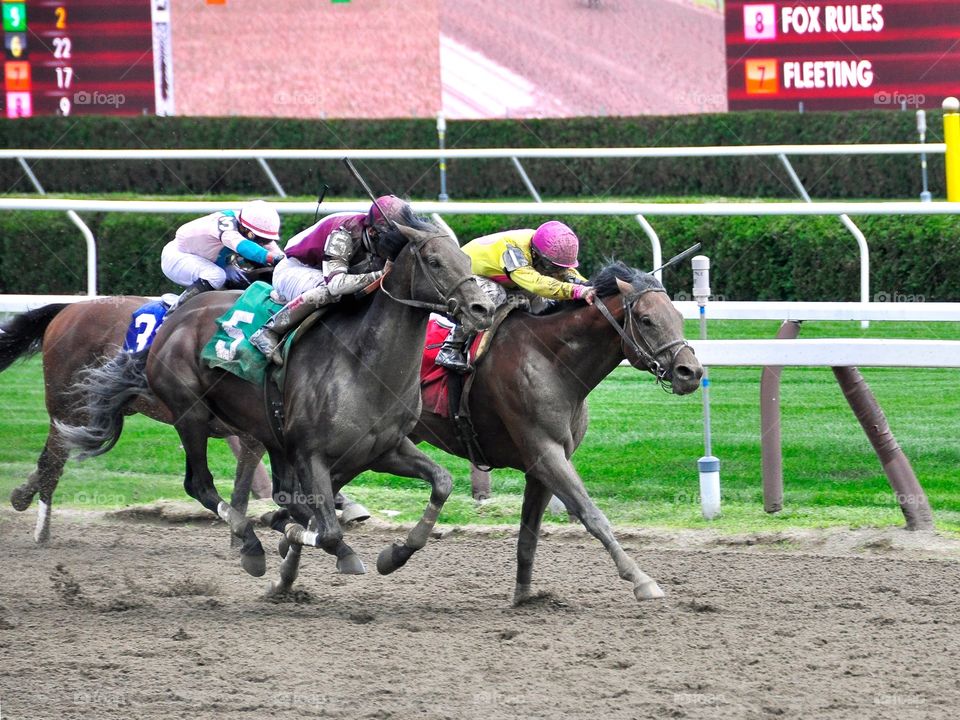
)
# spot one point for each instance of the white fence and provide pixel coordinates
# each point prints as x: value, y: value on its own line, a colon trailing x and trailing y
x: 510, y: 208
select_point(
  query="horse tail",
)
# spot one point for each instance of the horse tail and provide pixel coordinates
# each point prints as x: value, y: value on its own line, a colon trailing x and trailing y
x: 103, y: 393
x: 23, y: 336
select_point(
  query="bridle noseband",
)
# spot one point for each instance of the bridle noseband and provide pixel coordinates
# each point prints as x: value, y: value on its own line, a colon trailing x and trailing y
x: 450, y: 307
x: 633, y: 338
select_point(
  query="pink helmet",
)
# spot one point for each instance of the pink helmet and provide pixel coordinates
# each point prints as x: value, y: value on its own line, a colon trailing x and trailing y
x: 392, y: 206
x: 557, y: 243
x: 262, y: 218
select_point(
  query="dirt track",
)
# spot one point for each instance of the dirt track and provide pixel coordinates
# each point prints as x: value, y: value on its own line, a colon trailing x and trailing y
x: 121, y: 619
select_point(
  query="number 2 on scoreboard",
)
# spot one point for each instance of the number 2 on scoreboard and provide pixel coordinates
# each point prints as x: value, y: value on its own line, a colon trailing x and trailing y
x: 61, y: 13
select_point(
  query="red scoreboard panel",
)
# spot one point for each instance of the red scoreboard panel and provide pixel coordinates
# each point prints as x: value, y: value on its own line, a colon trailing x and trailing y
x: 842, y: 55
x: 86, y: 57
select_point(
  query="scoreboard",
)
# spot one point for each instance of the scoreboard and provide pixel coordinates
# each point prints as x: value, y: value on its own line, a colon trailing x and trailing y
x: 836, y: 55
x: 74, y: 57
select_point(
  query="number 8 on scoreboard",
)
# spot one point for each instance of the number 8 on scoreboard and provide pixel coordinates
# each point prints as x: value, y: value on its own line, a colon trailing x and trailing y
x: 759, y: 22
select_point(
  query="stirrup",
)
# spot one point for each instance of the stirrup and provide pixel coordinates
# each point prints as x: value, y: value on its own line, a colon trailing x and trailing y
x: 268, y: 342
x: 453, y: 359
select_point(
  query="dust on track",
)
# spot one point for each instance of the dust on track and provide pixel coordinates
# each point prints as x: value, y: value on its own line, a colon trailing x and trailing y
x: 131, y: 619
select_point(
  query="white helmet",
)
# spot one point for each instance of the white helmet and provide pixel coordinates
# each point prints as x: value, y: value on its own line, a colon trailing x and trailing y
x: 262, y: 218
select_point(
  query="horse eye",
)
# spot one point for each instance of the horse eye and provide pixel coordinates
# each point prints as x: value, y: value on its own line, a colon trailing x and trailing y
x: 645, y: 320
x: 433, y: 262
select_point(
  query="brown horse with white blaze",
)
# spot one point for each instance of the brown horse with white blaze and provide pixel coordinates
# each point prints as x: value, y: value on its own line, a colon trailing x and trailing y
x: 528, y: 401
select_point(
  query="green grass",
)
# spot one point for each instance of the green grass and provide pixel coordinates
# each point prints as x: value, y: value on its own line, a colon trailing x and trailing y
x: 639, y: 457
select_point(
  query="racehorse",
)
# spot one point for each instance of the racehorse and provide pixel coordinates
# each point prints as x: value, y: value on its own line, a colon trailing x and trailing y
x: 73, y: 337
x: 528, y: 399
x: 351, y: 397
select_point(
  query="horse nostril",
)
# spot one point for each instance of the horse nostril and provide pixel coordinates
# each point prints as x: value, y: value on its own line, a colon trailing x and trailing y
x: 480, y: 309
x: 685, y: 373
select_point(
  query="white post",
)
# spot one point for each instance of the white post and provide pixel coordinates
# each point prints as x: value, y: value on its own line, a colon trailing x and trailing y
x: 708, y: 465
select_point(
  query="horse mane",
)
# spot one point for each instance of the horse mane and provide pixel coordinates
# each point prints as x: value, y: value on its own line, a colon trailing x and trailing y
x: 392, y: 241
x: 605, y: 281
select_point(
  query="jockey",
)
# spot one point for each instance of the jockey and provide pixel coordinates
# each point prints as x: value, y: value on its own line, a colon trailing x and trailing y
x: 331, y: 258
x: 199, y: 254
x: 533, y: 264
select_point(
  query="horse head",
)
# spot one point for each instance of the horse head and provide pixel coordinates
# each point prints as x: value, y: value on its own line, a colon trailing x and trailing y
x: 652, y: 330
x: 430, y: 271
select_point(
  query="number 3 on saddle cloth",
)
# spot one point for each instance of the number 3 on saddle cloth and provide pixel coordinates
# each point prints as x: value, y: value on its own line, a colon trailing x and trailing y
x: 144, y: 323
x: 435, y: 379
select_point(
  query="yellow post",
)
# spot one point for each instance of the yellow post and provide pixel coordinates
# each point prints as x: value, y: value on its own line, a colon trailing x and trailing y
x: 951, y: 136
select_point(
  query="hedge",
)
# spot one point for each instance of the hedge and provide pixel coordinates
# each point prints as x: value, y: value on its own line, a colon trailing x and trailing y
x: 771, y: 258
x: 825, y: 176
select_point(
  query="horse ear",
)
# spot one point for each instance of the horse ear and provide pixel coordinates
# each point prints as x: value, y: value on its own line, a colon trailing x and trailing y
x: 625, y: 287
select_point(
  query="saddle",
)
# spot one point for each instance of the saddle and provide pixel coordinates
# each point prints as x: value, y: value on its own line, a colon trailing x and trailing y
x: 447, y: 393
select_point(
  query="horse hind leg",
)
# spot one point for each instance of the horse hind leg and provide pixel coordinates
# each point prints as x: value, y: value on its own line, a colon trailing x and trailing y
x: 535, y: 499
x: 248, y: 453
x: 556, y: 472
x: 42, y: 480
x: 408, y: 461
x: 198, y: 482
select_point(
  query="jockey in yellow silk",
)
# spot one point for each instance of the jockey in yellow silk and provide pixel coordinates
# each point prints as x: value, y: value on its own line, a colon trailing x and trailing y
x: 537, y: 263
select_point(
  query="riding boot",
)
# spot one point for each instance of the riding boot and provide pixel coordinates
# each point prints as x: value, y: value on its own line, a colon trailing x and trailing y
x: 198, y: 286
x: 267, y: 339
x: 453, y: 351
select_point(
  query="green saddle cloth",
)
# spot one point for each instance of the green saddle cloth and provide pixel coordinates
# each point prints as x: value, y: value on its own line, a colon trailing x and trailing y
x: 229, y: 348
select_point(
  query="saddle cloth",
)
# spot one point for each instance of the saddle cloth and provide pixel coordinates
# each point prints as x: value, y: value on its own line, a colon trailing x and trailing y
x: 229, y: 348
x: 434, y: 379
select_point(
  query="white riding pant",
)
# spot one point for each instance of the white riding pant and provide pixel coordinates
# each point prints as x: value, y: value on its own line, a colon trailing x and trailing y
x: 291, y: 279
x: 184, y: 268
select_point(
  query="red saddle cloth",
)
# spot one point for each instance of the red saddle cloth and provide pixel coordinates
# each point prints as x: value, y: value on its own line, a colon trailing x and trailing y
x: 434, y: 383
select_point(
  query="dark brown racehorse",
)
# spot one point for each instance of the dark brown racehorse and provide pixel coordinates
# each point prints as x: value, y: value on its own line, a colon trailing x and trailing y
x: 73, y: 337
x: 528, y: 399
x: 352, y: 396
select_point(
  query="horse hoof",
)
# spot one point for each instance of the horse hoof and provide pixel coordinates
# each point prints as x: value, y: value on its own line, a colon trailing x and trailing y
x: 276, y: 589
x: 648, y: 591
x: 351, y: 565
x: 20, y: 498
x: 521, y: 594
x: 253, y: 559
x: 283, y: 546
x: 354, y: 512
x: 393, y: 558
x: 235, y: 542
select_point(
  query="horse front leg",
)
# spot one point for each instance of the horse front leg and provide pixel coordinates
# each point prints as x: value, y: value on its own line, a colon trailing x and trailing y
x: 408, y: 461
x: 554, y: 470
x: 198, y: 482
x: 535, y: 499
x: 316, y: 486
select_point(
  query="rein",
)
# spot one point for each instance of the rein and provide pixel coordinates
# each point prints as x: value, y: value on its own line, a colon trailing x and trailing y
x: 629, y: 334
x: 443, y: 309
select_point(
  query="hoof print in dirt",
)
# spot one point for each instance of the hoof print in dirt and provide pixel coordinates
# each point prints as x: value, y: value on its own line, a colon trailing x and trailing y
x: 297, y: 597
x: 362, y: 617
x: 698, y: 607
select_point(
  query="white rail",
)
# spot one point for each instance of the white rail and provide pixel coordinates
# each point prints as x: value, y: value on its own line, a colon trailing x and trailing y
x: 718, y: 310
x: 838, y: 352
x: 471, y: 153
x: 727, y: 209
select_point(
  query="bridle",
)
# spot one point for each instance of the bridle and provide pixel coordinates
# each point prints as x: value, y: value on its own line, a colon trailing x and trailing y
x: 451, y: 307
x: 638, y: 344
